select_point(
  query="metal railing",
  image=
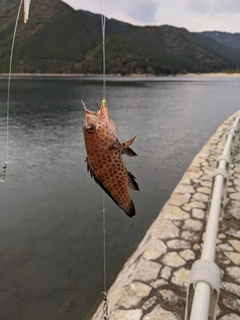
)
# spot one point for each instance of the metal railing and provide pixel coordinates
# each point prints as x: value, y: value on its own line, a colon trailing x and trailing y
x: 204, y: 279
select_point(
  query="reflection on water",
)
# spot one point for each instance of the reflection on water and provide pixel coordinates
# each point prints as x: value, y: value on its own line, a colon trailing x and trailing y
x: 50, y: 218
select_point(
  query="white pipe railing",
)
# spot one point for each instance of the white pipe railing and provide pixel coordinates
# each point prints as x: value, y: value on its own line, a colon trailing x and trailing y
x: 204, y: 279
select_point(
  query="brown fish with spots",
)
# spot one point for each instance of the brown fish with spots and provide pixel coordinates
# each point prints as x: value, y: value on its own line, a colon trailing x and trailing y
x: 104, y: 158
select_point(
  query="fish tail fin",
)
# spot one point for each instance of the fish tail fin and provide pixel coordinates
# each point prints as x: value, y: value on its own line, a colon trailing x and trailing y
x: 130, y: 210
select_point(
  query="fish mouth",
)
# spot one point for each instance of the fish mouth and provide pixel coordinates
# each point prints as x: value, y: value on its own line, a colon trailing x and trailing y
x: 103, y: 109
x: 88, y: 111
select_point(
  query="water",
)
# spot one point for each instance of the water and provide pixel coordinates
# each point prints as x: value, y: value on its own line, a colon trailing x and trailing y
x: 51, y: 264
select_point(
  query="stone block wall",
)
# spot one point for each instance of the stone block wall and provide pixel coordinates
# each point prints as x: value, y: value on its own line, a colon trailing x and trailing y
x: 153, y: 282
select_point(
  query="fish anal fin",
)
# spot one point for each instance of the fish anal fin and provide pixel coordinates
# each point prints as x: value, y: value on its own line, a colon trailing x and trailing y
x: 132, y: 182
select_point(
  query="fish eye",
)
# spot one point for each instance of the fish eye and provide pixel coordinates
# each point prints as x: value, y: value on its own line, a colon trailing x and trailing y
x: 91, y: 128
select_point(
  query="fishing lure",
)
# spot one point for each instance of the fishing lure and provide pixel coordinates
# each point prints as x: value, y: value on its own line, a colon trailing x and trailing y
x: 26, y: 10
x: 104, y: 157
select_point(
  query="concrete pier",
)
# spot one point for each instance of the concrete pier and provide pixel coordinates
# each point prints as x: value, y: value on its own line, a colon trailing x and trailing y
x: 153, y: 282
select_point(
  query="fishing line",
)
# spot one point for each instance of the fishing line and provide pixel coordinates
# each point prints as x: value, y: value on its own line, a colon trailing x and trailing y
x: 105, y: 303
x: 3, y: 173
x: 103, y: 19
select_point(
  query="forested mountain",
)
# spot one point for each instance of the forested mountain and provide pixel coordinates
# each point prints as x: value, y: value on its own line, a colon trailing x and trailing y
x: 59, y: 39
x: 223, y: 43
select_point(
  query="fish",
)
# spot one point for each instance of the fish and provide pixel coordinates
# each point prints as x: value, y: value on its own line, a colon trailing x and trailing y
x: 104, y: 157
x: 26, y: 10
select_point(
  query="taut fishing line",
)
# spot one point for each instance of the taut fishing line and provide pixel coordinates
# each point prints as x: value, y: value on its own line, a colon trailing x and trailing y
x: 3, y: 172
x: 105, y: 302
x: 103, y: 19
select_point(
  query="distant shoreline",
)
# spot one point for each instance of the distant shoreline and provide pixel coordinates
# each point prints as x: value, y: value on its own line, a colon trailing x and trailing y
x: 73, y: 75
x: 218, y: 74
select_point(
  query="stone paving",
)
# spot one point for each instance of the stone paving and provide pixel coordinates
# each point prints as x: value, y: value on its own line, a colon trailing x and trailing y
x: 153, y: 282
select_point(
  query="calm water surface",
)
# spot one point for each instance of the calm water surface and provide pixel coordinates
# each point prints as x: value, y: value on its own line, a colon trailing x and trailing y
x: 50, y: 208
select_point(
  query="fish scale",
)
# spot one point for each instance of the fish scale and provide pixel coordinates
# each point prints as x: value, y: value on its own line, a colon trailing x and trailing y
x: 104, y: 158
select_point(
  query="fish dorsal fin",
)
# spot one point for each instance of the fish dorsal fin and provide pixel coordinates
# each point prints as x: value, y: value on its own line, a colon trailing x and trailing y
x: 128, y: 143
x: 132, y: 182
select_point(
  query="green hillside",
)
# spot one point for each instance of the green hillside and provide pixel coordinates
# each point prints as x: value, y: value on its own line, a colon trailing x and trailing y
x: 59, y: 39
x: 224, y: 43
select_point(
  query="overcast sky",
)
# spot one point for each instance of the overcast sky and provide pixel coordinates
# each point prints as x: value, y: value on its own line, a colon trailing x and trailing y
x: 194, y: 15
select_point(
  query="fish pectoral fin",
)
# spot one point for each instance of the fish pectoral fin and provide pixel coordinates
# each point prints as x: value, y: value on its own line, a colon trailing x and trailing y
x: 116, y: 145
x: 132, y: 182
x: 124, y: 147
x: 129, y: 152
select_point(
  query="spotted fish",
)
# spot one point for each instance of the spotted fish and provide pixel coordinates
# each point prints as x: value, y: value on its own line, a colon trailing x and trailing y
x: 104, y: 158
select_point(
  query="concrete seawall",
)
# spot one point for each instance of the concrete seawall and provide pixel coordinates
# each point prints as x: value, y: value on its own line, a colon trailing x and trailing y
x: 153, y: 282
